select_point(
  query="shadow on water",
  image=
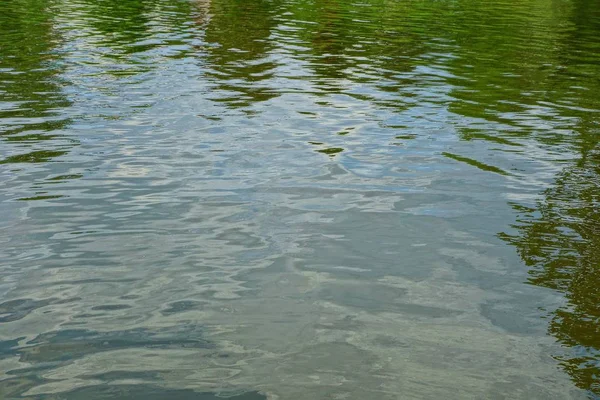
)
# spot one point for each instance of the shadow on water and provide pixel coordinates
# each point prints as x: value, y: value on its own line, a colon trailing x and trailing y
x: 67, y: 345
x: 143, y: 392
x: 123, y: 391
x: 60, y: 348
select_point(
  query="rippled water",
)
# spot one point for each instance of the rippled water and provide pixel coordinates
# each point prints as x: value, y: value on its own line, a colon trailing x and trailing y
x: 299, y: 199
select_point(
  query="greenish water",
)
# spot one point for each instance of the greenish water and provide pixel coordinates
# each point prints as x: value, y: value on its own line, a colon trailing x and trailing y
x: 299, y: 199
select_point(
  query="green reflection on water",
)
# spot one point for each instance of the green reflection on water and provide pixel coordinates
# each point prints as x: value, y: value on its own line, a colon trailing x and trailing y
x: 560, y: 241
x: 331, y: 150
x: 475, y: 163
x: 524, y: 70
x: 29, y: 81
x: 33, y: 157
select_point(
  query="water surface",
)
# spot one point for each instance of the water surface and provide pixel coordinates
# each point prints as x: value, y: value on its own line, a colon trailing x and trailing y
x: 299, y: 199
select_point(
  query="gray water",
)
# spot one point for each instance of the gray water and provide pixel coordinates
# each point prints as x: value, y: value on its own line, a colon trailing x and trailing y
x: 300, y: 199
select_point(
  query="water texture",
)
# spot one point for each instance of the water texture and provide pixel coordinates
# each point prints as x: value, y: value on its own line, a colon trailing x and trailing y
x: 299, y: 199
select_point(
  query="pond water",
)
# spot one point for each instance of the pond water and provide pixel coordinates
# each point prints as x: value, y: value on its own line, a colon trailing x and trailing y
x: 299, y: 199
